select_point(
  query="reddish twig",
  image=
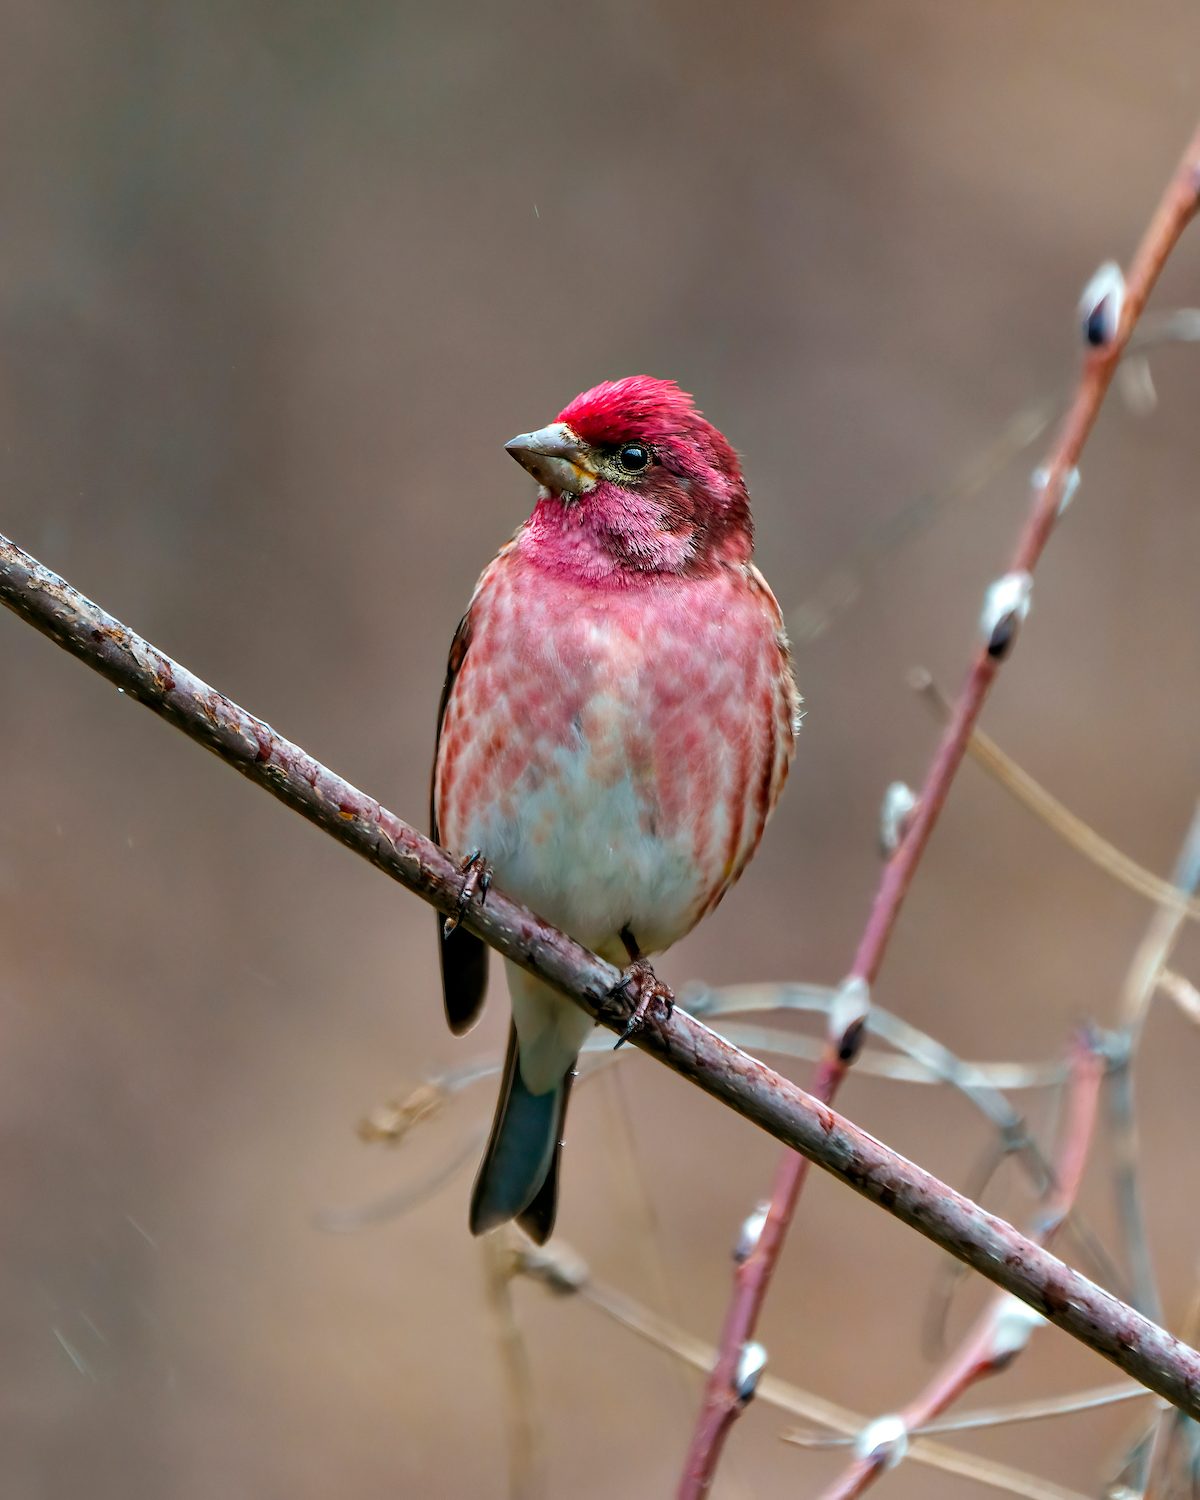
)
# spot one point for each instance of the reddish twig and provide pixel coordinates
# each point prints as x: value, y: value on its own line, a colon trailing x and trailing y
x: 724, y: 1395
x: 1003, y: 1330
x: 561, y: 1273
x: 1132, y: 1342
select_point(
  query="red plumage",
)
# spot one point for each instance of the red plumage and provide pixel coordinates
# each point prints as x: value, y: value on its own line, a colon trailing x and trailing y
x: 641, y: 408
x: 616, y: 728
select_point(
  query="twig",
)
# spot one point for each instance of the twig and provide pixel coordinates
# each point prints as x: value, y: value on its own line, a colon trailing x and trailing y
x: 1142, y: 981
x: 1184, y: 993
x: 1182, y: 1425
x: 1154, y: 951
x: 1150, y: 1459
x: 765, y: 1098
x: 1071, y: 829
x: 1006, y: 605
x: 524, y: 1441
x: 1004, y: 1329
x: 762, y: 1096
x: 402, y: 1200
x: 902, y: 1068
x: 1011, y: 1415
x: 840, y: 588
x: 561, y: 1273
x: 628, y: 1162
x: 979, y: 1083
x: 922, y: 1061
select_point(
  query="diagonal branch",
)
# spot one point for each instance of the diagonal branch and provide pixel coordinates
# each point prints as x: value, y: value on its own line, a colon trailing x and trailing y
x: 561, y: 1273
x: 1108, y: 325
x: 998, y: 1336
x: 981, y: 1240
x: 845, y: 585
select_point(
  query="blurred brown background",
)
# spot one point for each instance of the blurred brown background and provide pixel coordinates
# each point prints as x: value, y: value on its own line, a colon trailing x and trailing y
x: 276, y: 282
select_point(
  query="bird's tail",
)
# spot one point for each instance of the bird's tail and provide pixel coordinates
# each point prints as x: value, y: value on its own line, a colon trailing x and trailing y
x: 518, y: 1178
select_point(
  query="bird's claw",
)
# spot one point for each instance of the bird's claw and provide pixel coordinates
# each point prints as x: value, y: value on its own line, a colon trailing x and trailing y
x: 649, y: 988
x: 477, y: 881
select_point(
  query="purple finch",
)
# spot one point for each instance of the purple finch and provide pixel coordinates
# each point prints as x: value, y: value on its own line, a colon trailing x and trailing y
x: 616, y: 726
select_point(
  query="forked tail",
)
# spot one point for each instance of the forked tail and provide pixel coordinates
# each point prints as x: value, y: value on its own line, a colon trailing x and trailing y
x: 518, y: 1177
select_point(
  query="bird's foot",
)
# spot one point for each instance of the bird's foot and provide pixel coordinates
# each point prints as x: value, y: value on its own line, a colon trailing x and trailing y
x: 639, y: 980
x: 477, y: 881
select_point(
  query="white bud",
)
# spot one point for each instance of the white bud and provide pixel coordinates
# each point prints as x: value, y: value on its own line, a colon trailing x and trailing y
x: 1041, y: 478
x: 750, y: 1366
x: 1015, y: 1321
x: 750, y: 1232
x: 1101, y: 305
x: 1005, y: 605
x: 848, y: 1012
x: 558, y: 1268
x: 884, y: 1441
x: 898, y: 803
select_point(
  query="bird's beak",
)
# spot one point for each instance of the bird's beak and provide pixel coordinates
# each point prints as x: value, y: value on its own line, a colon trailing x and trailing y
x: 555, y: 457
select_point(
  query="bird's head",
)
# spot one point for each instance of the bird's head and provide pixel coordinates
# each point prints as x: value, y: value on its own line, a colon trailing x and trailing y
x: 635, y: 481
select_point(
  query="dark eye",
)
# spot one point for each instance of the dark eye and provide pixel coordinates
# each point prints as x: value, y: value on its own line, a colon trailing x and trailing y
x: 632, y: 457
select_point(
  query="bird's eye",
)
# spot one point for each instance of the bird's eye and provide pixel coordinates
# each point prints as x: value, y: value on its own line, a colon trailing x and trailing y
x: 632, y: 457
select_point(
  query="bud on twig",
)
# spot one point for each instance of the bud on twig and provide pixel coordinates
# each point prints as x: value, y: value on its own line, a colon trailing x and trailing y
x: 883, y: 1441
x: 750, y: 1232
x: 1041, y: 478
x: 1005, y: 605
x: 1015, y: 1321
x: 898, y: 803
x: 1101, y: 305
x: 848, y: 1016
x: 752, y: 1363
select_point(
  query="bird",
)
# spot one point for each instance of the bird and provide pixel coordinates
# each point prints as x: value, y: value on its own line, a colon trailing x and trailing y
x: 617, y: 723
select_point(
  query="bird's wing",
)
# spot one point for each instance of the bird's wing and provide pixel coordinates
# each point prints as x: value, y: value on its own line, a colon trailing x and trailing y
x: 464, y: 956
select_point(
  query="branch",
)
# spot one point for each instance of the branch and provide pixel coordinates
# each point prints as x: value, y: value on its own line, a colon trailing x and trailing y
x: 1060, y: 819
x: 845, y: 585
x: 561, y: 1273
x: 1141, y: 983
x: 1003, y: 1330
x: 981, y: 1240
x: 1108, y: 326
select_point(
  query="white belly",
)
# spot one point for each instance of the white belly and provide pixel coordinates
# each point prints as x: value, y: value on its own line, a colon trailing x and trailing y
x: 582, y: 850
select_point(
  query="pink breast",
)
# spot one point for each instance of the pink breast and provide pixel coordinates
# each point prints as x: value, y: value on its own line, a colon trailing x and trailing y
x: 679, y: 686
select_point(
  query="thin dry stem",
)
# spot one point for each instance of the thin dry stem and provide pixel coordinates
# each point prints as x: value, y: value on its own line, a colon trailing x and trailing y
x: 559, y: 1272
x: 752, y: 1276
x: 838, y: 590
x: 1142, y: 981
x: 759, y: 1094
x: 802, y: 1123
x: 524, y: 1439
x: 1072, y: 829
x: 1184, y: 993
x: 986, y: 1351
x: 1010, y: 1415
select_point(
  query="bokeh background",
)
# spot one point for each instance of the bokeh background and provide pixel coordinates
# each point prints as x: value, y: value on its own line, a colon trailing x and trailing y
x: 276, y: 282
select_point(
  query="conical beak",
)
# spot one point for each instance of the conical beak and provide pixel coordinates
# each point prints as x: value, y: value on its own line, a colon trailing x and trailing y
x: 555, y: 457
